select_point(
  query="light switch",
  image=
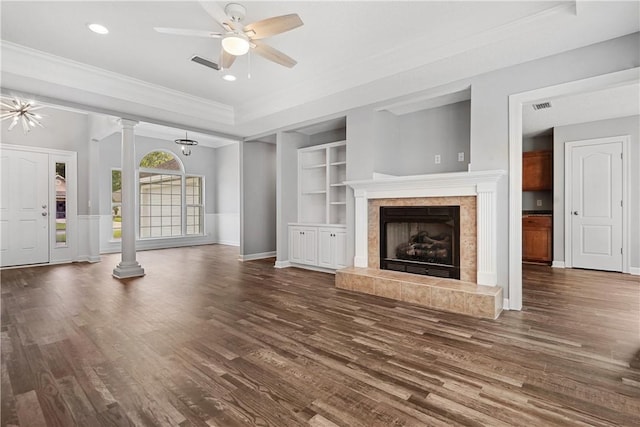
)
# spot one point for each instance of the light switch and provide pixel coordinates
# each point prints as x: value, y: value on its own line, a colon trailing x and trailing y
x: 437, y: 159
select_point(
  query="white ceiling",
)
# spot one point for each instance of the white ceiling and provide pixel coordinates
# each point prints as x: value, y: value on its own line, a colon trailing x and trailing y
x: 347, y: 52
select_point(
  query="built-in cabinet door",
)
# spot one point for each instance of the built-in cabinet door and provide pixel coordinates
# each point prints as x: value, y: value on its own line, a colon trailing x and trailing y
x: 326, y: 248
x: 296, y: 245
x: 340, y: 251
x: 332, y: 248
x: 309, y: 237
x: 303, y: 245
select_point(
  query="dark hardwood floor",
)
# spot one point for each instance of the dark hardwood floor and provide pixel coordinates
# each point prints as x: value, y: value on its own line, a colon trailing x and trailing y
x: 204, y: 340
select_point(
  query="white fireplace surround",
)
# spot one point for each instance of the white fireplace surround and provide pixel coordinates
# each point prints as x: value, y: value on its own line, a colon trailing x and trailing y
x: 482, y: 184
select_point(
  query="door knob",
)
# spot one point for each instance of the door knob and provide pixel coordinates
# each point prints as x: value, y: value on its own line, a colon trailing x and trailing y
x: 44, y: 206
x: 575, y: 212
x: 44, y: 214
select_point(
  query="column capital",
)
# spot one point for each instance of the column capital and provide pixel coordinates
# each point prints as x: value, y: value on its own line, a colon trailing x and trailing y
x: 128, y: 123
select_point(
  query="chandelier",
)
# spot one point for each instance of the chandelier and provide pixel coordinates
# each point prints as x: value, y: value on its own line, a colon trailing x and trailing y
x: 20, y: 111
x: 186, y: 144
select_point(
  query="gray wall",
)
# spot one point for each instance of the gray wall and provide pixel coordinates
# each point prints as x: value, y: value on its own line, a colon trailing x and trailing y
x: 63, y: 130
x: 328, y: 136
x: 258, y: 198
x: 600, y: 129
x: 227, y: 178
x: 489, y: 128
x: 419, y: 136
x: 490, y: 109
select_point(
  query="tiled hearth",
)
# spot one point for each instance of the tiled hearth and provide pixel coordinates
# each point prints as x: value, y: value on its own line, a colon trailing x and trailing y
x: 476, y: 294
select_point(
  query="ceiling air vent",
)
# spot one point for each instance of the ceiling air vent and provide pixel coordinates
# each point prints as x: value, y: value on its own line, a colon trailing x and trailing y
x: 205, y: 62
x: 542, y: 106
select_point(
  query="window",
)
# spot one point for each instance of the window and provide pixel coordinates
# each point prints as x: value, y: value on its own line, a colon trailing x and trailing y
x: 116, y: 203
x: 195, y: 208
x: 61, y: 204
x: 171, y: 203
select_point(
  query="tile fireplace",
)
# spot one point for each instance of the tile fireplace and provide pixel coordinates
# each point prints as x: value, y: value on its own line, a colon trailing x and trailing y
x: 458, y: 242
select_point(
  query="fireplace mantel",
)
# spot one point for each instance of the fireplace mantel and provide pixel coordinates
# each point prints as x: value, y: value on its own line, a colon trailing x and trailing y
x: 482, y: 184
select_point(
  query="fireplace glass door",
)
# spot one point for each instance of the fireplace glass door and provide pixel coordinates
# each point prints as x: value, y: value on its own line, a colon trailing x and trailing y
x: 421, y: 240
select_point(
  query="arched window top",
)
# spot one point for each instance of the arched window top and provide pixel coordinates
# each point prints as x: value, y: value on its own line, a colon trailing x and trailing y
x: 162, y: 160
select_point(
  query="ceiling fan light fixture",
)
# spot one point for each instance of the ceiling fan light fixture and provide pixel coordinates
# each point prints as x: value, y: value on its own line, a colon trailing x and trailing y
x: 229, y: 77
x: 236, y: 44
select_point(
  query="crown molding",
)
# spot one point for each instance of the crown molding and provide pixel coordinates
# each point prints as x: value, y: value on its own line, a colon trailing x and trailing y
x: 41, y: 66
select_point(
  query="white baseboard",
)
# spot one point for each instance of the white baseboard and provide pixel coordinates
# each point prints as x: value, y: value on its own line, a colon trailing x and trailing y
x: 228, y: 242
x: 557, y: 264
x: 282, y: 264
x: 262, y: 255
x: 86, y: 258
x: 634, y: 271
x: 314, y: 268
x: 505, y: 304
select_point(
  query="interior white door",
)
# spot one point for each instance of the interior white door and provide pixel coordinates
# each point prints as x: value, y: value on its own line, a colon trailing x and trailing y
x: 24, y: 208
x: 596, y: 206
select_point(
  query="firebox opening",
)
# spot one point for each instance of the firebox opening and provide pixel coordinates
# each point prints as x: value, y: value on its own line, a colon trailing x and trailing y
x: 421, y: 240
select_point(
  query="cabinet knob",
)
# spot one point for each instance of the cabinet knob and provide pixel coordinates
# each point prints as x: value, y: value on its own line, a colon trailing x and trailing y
x: 575, y: 212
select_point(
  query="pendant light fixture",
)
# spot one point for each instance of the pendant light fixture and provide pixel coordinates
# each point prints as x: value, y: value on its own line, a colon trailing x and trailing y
x: 186, y: 144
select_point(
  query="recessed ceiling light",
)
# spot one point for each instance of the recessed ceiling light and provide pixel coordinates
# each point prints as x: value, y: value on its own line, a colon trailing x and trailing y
x: 229, y: 77
x: 97, y: 28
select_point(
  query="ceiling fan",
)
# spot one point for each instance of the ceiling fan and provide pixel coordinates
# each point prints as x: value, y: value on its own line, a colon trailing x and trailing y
x: 237, y: 38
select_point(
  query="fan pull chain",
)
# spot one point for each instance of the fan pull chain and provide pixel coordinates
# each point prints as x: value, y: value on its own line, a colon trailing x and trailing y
x: 249, y: 65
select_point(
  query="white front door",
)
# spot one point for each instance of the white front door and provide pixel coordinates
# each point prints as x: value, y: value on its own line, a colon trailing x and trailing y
x: 596, y: 206
x: 24, y: 208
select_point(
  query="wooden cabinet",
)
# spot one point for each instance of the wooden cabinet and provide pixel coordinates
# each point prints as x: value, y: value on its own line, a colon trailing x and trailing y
x: 537, y: 238
x: 537, y: 170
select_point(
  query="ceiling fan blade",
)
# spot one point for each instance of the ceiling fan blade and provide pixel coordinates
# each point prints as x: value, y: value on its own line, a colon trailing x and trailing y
x: 203, y: 61
x: 272, y: 26
x: 188, y: 32
x: 226, y: 59
x: 218, y: 14
x: 273, y: 54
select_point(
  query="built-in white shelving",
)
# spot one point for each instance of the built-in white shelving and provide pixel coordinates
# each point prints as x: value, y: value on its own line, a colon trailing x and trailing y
x: 322, y: 192
x: 319, y: 237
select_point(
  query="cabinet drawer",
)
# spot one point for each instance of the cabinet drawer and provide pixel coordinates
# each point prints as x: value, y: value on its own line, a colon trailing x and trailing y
x: 536, y: 221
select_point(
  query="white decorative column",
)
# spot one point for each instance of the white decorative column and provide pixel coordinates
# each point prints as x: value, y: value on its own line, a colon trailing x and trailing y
x: 128, y: 267
x: 361, y: 258
x: 487, y: 262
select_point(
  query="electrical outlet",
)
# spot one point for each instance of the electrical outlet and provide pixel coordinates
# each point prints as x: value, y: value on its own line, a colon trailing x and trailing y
x: 538, y: 202
x: 461, y: 156
x: 437, y: 158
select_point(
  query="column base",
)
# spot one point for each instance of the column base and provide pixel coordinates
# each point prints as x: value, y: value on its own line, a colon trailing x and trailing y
x: 125, y: 270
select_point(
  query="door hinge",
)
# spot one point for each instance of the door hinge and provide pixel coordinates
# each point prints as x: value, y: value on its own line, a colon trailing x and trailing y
x: 620, y: 203
x: 620, y: 251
